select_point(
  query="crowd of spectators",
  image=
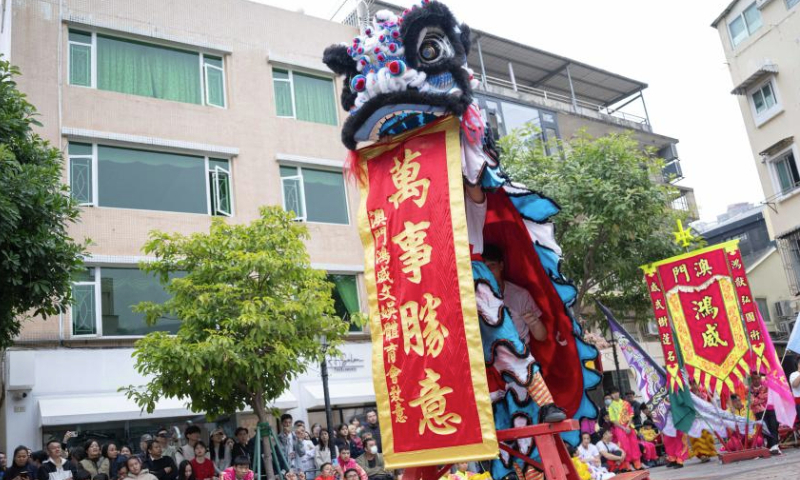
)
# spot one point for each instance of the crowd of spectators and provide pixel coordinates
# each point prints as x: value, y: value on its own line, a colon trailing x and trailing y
x: 354, y: 453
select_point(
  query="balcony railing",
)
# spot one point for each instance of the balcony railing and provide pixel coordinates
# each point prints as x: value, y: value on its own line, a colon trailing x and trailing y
x: 544, y: 94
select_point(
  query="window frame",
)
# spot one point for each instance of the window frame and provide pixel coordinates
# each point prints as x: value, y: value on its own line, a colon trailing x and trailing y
x: 204, y: 70
x: 207, y: 169
x: 357, y: 278
x: 290, y: 80
x: 299, y: 176
x: 92, y: 58
x: 98, y: 315
x: 92, y: 181
x: 773, y: 172
x: 768, y: 114
x: 156, y: 43
x: 740, y: 15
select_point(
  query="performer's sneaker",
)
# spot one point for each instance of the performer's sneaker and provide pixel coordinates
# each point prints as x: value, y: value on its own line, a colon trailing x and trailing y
x: 672, y: 464
x: 550, y: 413
x: 678, y: 465
x: 775, y: 450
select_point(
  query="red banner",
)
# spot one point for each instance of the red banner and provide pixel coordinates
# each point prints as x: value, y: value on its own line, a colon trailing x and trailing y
x: 697, y: 293
x: 430, y: 379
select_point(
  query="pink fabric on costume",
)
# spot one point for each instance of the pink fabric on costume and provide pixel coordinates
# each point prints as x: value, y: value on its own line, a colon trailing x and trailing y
x: 649, y: 451
x: 676, y: 447
x: 628, y: 442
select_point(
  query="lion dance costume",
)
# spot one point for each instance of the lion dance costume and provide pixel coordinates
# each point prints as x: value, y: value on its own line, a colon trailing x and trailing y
x: 404, y: 72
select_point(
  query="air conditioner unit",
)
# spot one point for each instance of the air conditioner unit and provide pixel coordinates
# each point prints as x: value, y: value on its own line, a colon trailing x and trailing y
x: 785, y: 327
x: 783, y: 308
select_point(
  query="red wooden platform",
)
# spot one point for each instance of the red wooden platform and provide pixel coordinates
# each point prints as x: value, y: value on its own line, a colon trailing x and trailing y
x: 749, y: 454
x: 556, y: 462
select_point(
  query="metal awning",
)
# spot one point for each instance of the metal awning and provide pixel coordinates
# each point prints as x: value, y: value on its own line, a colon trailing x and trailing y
x: 539, y: 69
x: 81, y: 409
x: 757, y: 76
x: 547, y: 71
x: 776, y: 147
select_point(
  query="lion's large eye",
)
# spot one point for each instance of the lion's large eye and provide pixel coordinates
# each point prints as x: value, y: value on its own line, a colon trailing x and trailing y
x: 434, y: 47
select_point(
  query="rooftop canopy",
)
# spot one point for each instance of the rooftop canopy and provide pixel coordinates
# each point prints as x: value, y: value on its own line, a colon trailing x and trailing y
x: 535, y: 68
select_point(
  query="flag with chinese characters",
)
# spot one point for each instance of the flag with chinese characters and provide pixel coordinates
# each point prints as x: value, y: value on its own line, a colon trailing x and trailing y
x: 429, y: 374
x: 698, y: 295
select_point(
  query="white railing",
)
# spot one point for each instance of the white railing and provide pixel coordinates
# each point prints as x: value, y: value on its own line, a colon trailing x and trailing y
x: 500, y: 82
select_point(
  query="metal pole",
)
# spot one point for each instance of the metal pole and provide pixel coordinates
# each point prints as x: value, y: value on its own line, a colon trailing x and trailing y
x: 327, y: 395
x: 616, y: 362
x: 574, y: 100
x: 511, y: 74
x: 646, y: 115
x: 483, y: 67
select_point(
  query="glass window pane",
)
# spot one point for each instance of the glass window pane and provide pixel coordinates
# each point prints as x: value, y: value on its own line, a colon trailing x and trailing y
x: 80, y: 65
x: 210, y: 60
x: 784, y: 175
x: 738, y: 31
x: 517, y: 116
x: 345, y: 297
x: 325, y: 196
x: 79, y: 148
x: 82, y: 37
x: 121, y: 289
x: 278, y: 74
x: 769, y: 98
x: 791, y: 3
x: 152, y: 71
x: 752, y: 16
x: 214, y: 87
x: 219, y: 162
x: 220, y: 192
x: 763, y: 308
x: 758, y: 101
x: 292, y: 202
x: 288, y: 171
x: 314, y: 99
x: 283, y: 99
x: 83, y: 310
x: 84, y: 275
x: 151, y: 180
x: 80, y: 179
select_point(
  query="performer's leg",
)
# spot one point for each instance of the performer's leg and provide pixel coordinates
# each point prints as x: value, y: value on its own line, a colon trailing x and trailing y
x: 540, y: 394
x: 771, y: 421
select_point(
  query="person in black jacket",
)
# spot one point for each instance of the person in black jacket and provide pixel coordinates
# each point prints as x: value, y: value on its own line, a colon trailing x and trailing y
x: 372, y: 427
x: 161, y: 466
x: 55, y: 467
x: 244, y: 446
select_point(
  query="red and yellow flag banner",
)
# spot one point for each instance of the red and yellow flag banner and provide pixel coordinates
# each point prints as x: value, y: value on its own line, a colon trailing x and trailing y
x: 429, y: 374
x: 696, y: 293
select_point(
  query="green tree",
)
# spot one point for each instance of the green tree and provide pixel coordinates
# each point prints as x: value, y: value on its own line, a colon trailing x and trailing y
x: 615, y: 213
x: 252, y: 312
x: 37, y: 255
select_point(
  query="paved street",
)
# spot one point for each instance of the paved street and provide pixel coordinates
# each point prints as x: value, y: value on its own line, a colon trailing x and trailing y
x: 786, y: 467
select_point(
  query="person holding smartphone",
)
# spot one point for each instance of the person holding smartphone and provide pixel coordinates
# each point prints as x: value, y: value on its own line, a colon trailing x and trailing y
x: 20, y: 468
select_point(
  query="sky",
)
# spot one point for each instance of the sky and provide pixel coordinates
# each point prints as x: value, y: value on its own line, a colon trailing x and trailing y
x: 668, y: 45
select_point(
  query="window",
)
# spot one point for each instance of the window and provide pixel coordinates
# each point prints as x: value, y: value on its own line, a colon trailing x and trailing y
x: 789, y: 247
x: 80, y: 58
x: 763, y: 98
x: 142, y: 179
x: 103, y: 299
x: 791, y: 3
x: 304, y: 97
x: 314, y: 195
x: 763, y: 307
x: 745, y: 24
x: 138, y: 68
x: 345, y: 297
x: 80, y: 172
x: 786, y: 172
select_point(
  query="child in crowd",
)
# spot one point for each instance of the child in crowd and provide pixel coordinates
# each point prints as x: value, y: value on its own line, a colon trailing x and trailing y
x: 326, y: 472
x: 239, y: 471
x: 202, y: 467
